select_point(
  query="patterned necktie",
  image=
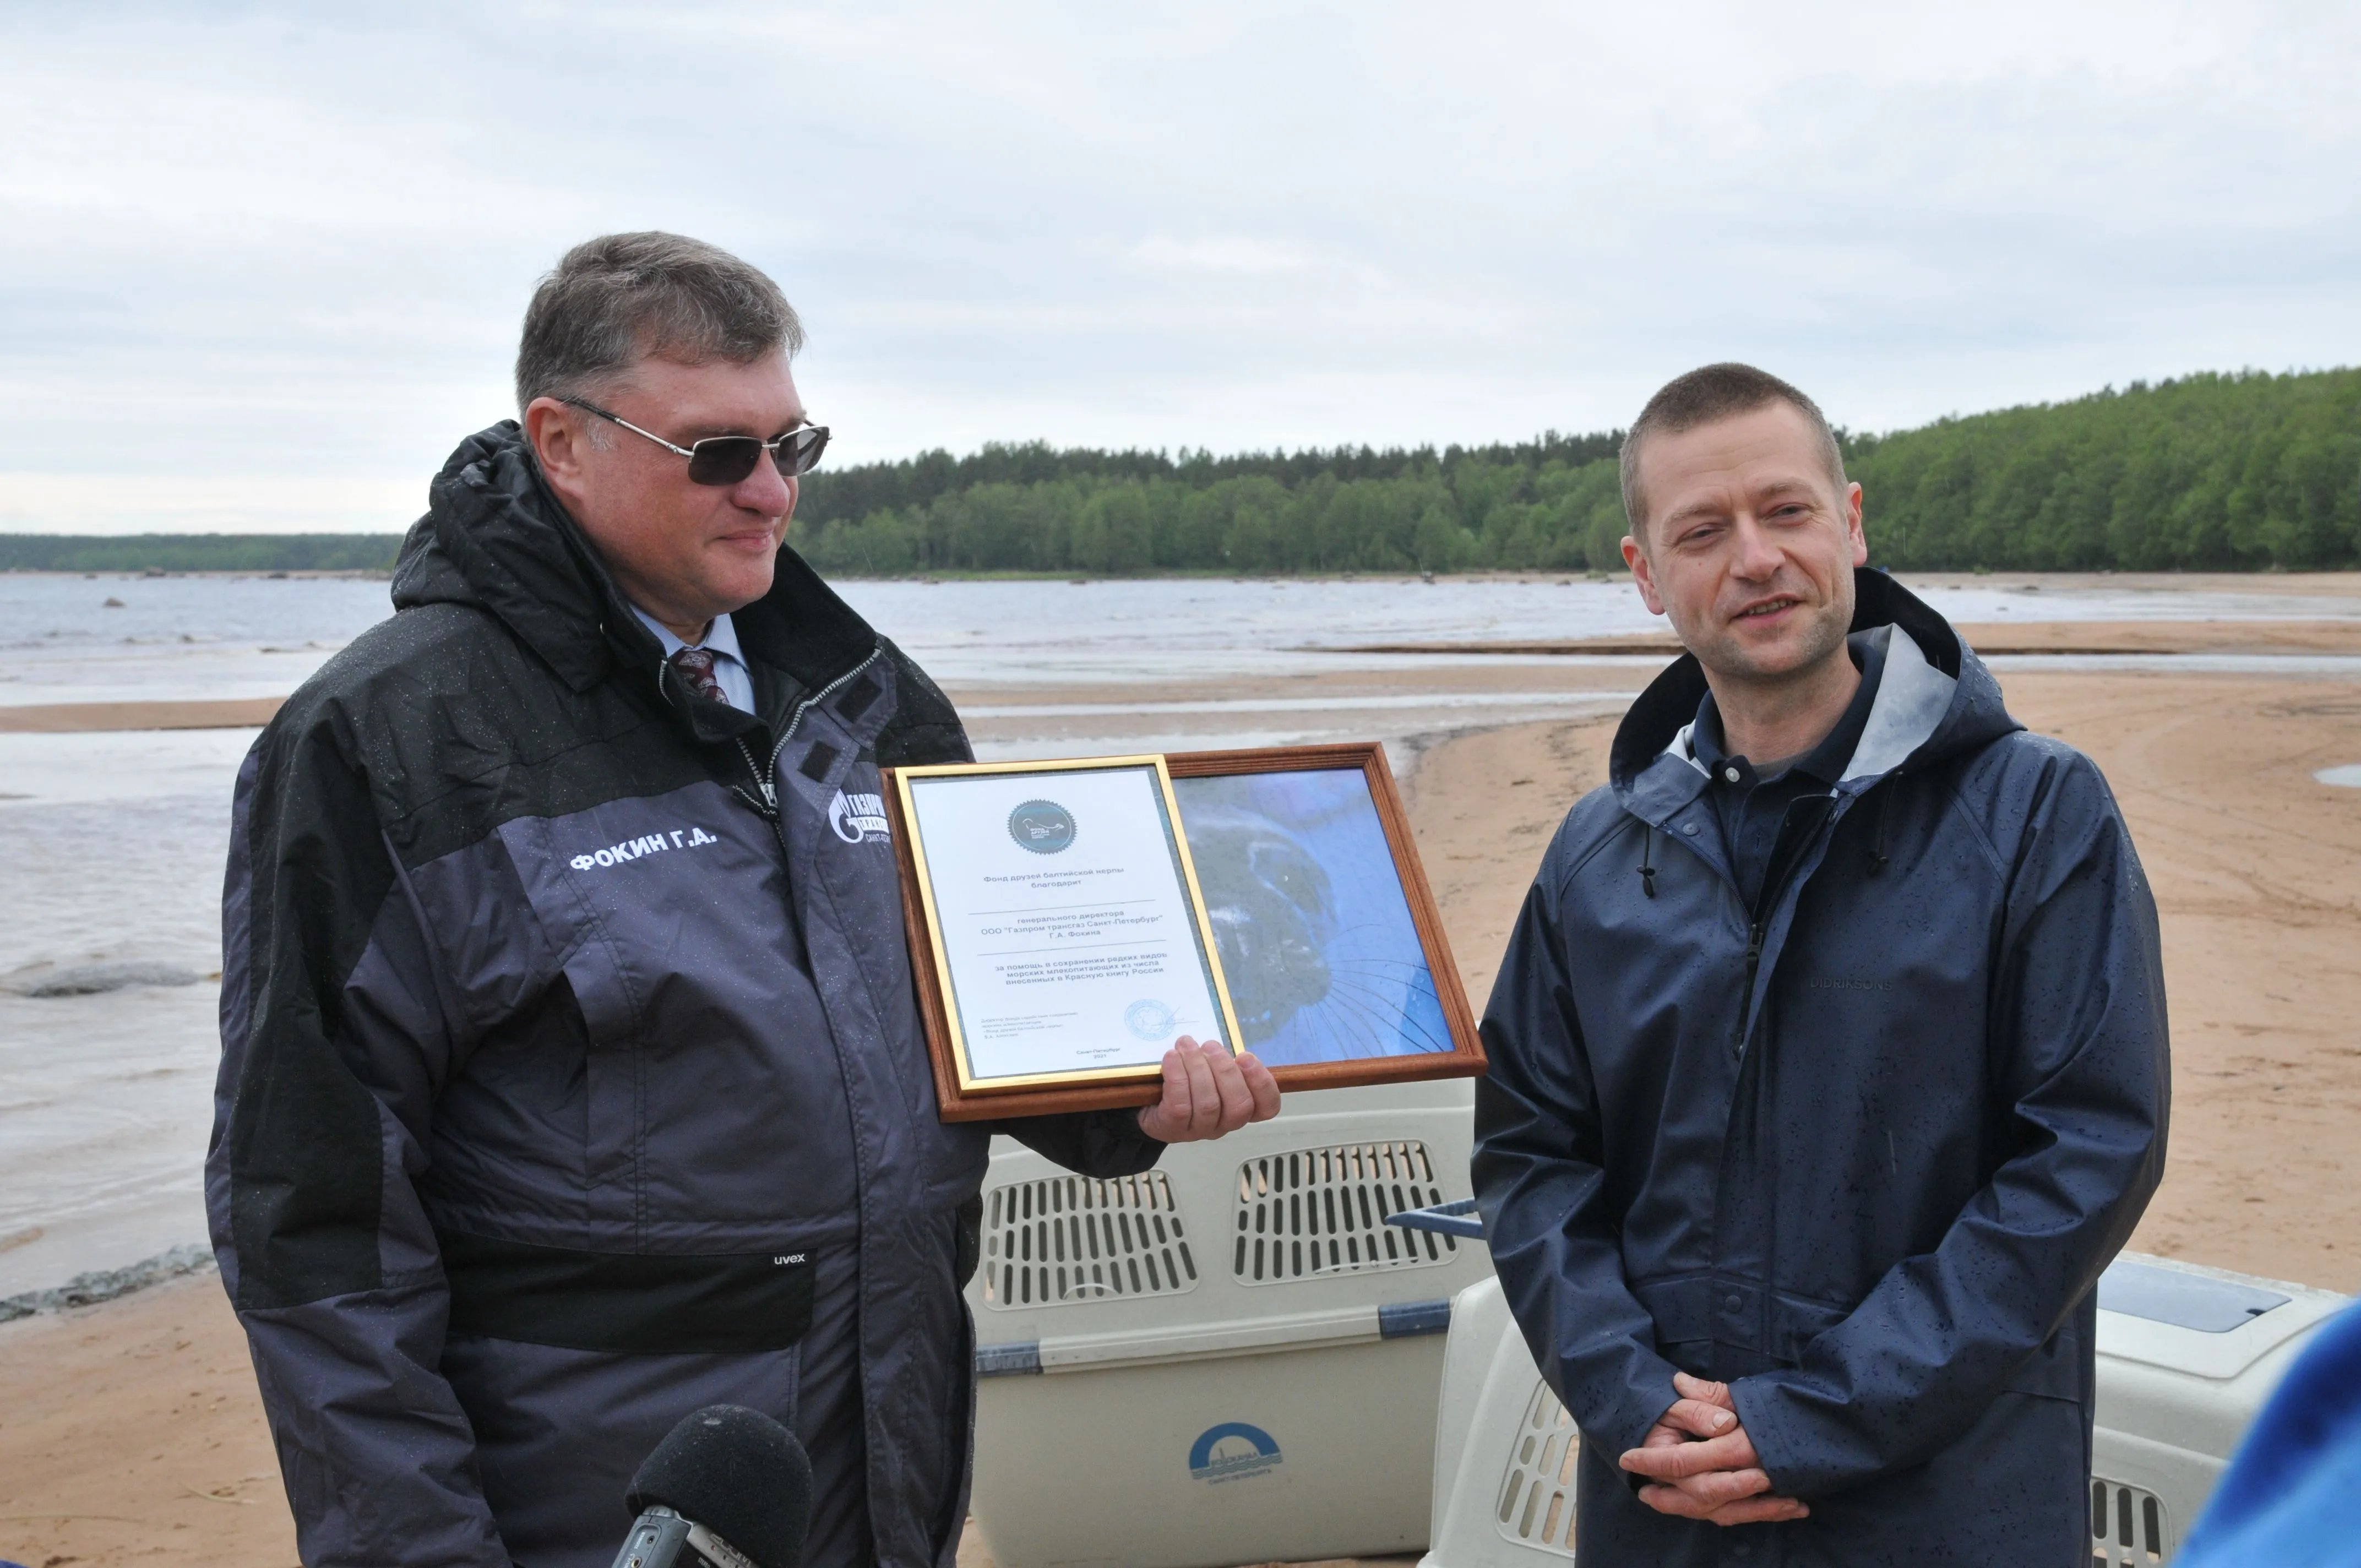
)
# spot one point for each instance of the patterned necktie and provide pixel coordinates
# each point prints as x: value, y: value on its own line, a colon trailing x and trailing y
x: 696, y: 667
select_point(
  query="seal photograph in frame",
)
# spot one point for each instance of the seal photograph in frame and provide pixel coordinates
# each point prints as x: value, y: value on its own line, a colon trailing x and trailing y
x: 1321, y: 949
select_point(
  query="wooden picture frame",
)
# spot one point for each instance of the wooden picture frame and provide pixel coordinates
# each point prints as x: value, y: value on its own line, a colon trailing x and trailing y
x: 1413, y: 935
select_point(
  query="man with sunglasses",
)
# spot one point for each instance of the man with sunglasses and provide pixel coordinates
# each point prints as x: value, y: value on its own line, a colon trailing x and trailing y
x: 572, y: 1078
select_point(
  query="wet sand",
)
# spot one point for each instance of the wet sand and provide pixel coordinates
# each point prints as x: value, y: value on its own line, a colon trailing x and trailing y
x: 1995, y: 639
x: 77, y: 717
x: 132, y: 1432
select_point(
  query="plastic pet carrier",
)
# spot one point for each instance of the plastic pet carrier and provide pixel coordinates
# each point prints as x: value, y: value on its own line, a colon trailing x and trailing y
x: 1233, y: 1358
x: 2186, y: 1358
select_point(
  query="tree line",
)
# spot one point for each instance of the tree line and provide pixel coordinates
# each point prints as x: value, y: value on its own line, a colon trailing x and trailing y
x: 199, y: 551
x: 2206, y: 472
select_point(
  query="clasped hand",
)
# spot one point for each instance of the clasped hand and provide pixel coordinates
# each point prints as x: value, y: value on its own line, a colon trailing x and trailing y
x: 1208, y: 1093
x: 1702, y: 1465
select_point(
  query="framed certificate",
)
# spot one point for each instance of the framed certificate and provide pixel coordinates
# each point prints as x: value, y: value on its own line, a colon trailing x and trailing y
x: 1065, y: 944
x: 1064, y: 934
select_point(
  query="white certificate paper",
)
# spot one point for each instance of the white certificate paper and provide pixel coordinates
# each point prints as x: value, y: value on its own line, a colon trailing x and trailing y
x: 1064, y: 919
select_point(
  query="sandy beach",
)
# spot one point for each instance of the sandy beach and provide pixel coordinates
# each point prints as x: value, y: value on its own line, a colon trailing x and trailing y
x: 131, y: 1431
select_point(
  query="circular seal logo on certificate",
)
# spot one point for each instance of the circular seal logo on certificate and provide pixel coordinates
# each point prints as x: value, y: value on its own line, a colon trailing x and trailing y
x: 1149, y: 1019
x: 1042, y: 825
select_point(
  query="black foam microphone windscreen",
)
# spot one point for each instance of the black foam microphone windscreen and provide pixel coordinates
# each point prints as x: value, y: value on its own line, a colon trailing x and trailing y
x: 738, y: 1472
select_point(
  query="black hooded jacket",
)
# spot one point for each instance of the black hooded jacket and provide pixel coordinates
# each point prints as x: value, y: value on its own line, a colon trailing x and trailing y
x: 567, y: 1033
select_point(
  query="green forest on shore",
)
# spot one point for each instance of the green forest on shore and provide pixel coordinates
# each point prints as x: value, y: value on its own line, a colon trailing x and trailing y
x: 199, y: 551
x: 2208, y: 472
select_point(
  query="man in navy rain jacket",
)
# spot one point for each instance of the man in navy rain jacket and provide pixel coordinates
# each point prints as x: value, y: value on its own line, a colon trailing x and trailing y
x: 1829, y: 1054
x: 571, y: 1074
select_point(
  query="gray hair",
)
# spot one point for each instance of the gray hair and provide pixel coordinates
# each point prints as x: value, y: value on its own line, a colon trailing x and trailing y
x: 1708, y: 393
x: 619, y: 298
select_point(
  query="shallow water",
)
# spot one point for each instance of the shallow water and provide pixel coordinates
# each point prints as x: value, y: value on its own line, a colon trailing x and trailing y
x: 115, y: 841
x: 104, y: 1098
x: 177, y: 638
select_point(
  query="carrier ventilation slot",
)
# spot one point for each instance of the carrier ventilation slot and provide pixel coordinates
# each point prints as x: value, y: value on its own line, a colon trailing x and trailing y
x: 2128, y: 1526
x: 1069, y: 1238
x: 1536, y: 1506
x: 1313, y: 1214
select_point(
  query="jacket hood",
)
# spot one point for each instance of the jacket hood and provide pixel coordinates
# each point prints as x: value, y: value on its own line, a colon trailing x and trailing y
x: 495, y: 537
x: 1936, y: 698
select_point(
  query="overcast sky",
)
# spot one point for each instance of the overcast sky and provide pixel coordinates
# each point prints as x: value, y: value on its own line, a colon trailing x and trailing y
x: 261, y: 267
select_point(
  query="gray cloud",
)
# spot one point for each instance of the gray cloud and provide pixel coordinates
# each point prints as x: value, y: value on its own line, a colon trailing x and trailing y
x: 265, y: 264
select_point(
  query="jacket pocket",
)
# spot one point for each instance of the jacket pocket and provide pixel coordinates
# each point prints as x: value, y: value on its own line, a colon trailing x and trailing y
x: 629, y: 1303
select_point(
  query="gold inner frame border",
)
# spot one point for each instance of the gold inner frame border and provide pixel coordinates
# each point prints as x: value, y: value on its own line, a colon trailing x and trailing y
x: 1210, y: 954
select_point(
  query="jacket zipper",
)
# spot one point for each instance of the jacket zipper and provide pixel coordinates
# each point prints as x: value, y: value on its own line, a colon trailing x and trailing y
x: 769, y: 805
x: 1753, y: 962
x: 1754, y: 935
x: 1776, y: 876
x: 766, y: 778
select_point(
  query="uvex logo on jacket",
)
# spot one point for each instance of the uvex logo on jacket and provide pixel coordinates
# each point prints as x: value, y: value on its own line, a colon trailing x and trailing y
x: 858, y: 817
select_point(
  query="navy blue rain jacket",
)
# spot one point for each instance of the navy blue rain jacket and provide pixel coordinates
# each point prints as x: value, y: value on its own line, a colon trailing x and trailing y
x: 1860, y: 1150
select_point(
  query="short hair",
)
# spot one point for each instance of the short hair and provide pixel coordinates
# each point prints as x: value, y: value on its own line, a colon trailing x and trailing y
x: 614, y: 301
x: 1708, y: 393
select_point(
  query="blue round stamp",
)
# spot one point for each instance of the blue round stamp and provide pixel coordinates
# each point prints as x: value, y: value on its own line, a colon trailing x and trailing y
x: 1149, y: 1019
x: 1042, y: 825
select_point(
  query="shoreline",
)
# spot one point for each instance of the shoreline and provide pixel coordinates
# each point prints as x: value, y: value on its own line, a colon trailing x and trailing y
x: 100, y: 1286
x: 2156, y: 639
x: 89, y: 718
x: 1988, y: 639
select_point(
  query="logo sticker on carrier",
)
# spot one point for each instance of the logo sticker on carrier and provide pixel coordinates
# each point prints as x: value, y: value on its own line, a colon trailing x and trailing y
x: 1232, y: 1452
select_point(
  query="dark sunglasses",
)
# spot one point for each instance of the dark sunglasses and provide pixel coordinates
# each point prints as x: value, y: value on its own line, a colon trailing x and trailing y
x: 728, y: 459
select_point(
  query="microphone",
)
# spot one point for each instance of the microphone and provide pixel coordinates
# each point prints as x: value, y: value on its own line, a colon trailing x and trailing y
x: 729, y: 1488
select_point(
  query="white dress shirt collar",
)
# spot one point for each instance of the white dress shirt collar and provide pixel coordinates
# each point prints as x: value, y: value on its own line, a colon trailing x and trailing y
x: 730, y: 669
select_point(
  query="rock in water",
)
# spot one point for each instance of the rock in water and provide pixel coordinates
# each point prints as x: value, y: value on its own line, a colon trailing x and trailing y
x: 106, y: 1284
x: 89, y: 979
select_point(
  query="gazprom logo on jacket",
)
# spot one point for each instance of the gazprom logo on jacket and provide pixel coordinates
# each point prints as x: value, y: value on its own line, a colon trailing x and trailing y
x: 858, y: 817
x: 1232, y: 1452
